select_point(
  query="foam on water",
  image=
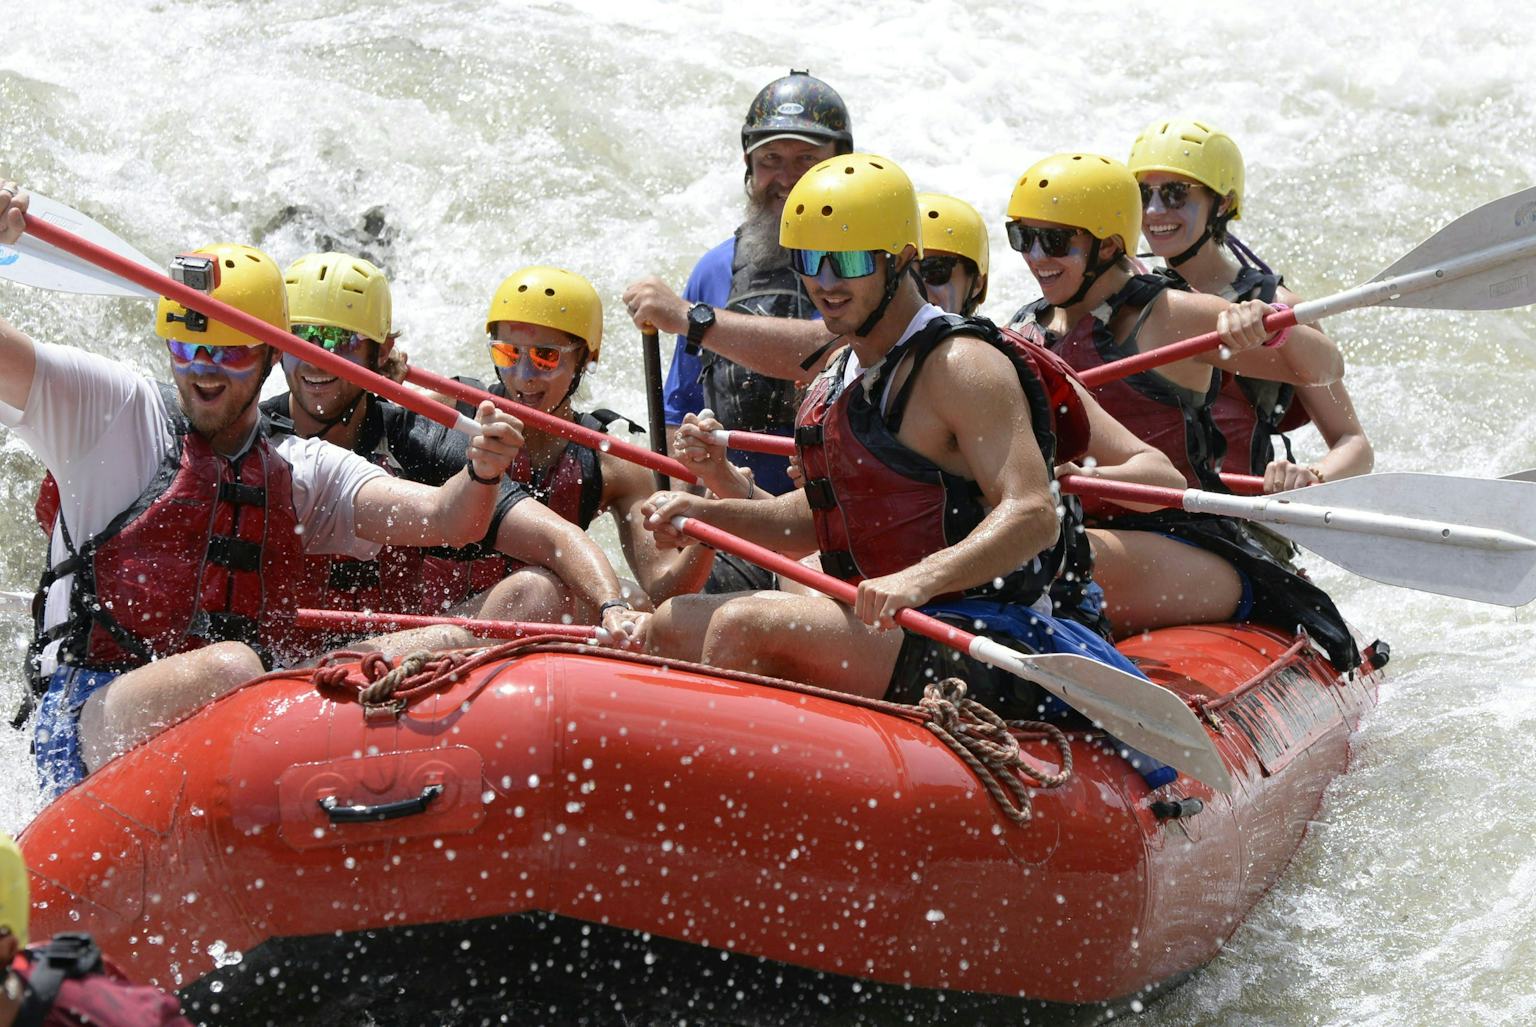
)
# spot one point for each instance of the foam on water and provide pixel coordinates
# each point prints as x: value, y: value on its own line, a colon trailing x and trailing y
x: 604, y: 138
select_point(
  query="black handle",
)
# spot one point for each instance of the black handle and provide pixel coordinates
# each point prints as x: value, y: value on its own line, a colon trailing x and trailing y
x: 340, y: 814
x: 1175, y: 809
x: 651, y: 345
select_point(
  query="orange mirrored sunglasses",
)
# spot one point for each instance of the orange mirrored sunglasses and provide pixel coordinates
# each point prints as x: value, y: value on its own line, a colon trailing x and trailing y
x: 543, y: 358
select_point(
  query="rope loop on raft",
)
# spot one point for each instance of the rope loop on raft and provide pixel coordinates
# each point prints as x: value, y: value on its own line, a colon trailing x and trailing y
x: 981, y: 739
x: 985, y: 743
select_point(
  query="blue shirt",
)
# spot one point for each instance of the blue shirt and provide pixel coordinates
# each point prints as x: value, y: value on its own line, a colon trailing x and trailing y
x: 710, y: 282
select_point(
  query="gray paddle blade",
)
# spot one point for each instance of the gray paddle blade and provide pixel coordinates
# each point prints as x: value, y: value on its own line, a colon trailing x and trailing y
x: 1138, y: 712
x: 1529, y: 474
x: 1505, y: 223
x: 29, y: 261
x: 1504, y: 576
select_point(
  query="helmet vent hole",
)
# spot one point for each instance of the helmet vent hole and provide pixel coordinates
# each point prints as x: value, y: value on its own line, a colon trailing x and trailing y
x: 933, y: 214
x: 1044, y: 182
x: 799, y: 208
x: 1078, y: 157
x: 522, y: 288
x: 229, y: 262
x: 323, y: 271
x: 826, y: 211
x: 848, y: 170
x: 549, y: 292
x: 877, y: 167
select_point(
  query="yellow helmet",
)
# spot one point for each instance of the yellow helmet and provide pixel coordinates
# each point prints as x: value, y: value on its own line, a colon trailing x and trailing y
x: 553, y: 298
x: 1084, y: 190
x: 336, y: 289
x: 951, y: 225
x: 1194, y: 149
x: 246, y: 279
x: 856, y: 201
x: 15, y: 903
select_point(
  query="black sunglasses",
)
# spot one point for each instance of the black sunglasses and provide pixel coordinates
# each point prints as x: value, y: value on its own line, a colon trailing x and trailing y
x: 938, y: 270
x: 1054, y: 242
x: 1174, y: 194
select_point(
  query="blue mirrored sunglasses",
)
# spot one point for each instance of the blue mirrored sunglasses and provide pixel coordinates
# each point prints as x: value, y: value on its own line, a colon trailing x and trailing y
x: 845, y: 263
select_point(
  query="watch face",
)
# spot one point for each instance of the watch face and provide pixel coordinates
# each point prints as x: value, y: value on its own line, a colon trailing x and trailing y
x: 701, y: 315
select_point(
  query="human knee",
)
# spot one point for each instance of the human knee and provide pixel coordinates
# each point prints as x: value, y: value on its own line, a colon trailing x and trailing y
x: 228, y: 664
x: 527, y: 594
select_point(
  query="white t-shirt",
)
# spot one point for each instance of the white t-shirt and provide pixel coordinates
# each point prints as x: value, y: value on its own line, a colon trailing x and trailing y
x: 102, y: 430
x: 853, y: 369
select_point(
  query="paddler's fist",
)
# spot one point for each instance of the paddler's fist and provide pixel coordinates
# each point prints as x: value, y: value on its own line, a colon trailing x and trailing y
x: 1282, y: 476
x: 1241, y: 326
x: 879, y: 600
x: 652, y: 304
x: 13, y: 207
x: 695, y: 442
x: 659, y: 510
x: 501, y: 437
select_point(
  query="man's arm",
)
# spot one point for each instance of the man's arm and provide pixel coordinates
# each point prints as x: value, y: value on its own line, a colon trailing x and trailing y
x: 18, y: 360
x: 534, y: 533
x: 662, y: 574
x: 394, y: 511
x: 782, y: 523
x: 994, y: 444
x: 774, y: 346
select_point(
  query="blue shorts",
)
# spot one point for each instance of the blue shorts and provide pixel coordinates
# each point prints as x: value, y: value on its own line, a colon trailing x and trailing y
x: 56, y: 731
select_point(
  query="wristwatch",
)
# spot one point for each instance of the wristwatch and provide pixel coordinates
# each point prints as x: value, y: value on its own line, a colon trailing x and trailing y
x: 701, y: 318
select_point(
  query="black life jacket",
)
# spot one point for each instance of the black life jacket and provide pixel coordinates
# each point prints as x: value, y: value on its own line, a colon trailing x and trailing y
x: 880, y: 507
x: 68, y: 984
x: 743, y: 399
x: 1156, y: 409
x: 208, y: 552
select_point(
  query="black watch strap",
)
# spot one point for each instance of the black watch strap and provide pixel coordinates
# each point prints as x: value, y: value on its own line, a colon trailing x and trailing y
x: 698, y: 325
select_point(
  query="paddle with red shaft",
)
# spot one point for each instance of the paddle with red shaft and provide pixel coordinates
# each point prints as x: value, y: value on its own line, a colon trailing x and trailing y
x: 1139, y: 712
x: 580, y: 434
x: 1473, y: 538
x: 1484, y: 260
x: 163, y: 285
x: 350, y: 620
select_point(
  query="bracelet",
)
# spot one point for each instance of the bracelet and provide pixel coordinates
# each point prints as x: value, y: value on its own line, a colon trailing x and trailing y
x: 469, y: 468
x: 612, y: 604
x: 1278, y: 339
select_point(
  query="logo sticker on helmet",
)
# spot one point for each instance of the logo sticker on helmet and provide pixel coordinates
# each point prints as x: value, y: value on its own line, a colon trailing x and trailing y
x: 790, y: 109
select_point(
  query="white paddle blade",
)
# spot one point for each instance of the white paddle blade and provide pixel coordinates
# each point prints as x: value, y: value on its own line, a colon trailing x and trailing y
x: 1139, y: 712
x: 33, y: 262
x: 1504, y: 574
x: 1505, y: 226
x: 16, y: 602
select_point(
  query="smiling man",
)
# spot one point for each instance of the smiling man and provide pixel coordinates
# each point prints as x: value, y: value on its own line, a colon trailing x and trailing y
x: 927, y: 446
x: 181, y: 519
x: 743, y: 305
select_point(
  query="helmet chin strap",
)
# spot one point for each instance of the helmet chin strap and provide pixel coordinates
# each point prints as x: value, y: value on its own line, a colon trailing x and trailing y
x: 1091, y: 274
x: 1213, y: 221
x: 893, y: 276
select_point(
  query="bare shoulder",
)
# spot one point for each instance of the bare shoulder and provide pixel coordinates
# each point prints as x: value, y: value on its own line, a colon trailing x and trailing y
x: 1177, y: 315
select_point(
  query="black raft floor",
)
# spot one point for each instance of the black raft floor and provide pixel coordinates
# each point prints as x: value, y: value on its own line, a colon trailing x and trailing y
x: 537, y: 969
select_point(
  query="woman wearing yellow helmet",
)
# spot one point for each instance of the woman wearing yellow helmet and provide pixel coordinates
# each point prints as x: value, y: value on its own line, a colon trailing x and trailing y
x: 1074, y: 217
x: 545, y: 327
x: 1192, y: 181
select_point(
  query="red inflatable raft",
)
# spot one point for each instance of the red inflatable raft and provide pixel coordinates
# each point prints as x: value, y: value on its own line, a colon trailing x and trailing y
x: 701, y: 807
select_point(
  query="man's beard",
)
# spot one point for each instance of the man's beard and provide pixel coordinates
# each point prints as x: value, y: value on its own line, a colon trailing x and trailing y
x: 238, y: 397
x: 758, y: 245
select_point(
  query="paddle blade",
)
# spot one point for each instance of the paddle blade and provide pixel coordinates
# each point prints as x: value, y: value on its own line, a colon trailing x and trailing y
x: 1506, y: 222
x: 30, y: 261
x: 1139, y: 712
x: 1505, y: 576
x: 1529, y: 474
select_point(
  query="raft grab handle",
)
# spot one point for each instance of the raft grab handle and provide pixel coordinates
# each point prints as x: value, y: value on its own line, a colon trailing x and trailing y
x: 354, y: 814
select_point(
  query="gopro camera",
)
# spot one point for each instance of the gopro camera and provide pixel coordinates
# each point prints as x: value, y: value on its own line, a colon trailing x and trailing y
x: 196, y: 271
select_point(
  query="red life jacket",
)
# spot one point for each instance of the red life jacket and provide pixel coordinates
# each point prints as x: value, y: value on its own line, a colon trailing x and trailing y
x: 1249, y: 412
x: 1160, y: 412
x: 209, y: 552
x: 69, y: 984
x: 880, y: 507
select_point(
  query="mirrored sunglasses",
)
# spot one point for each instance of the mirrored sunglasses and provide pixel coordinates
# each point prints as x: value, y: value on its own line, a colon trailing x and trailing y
x: 1173, y: 194
x: 845, y: 263
x: 231, y: 358
x: 543, y: 358
x: 1054, y: 242
x: 343, y: 342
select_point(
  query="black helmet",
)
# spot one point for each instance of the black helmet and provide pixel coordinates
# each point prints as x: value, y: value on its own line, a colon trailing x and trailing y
x: 801, y: 107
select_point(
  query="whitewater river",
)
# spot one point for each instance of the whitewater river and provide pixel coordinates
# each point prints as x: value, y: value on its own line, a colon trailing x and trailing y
x: 487, y: 135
